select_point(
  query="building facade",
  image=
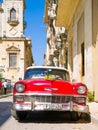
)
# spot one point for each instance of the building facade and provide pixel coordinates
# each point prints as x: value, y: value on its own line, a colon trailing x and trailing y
x: 80, y: 18
x: 15, y: 48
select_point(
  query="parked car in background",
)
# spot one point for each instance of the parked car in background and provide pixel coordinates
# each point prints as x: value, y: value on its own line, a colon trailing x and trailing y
x: 47, y: 88
x: 0, y: 85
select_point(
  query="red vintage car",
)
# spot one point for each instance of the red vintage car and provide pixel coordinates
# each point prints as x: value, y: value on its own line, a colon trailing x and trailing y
x: 48, y: 89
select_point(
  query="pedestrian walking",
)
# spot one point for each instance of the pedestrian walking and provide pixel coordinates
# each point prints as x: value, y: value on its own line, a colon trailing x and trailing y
x: 5, y: 85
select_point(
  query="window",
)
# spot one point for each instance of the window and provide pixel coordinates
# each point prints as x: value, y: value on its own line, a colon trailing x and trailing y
x: 94, y: 20
x: 81, y: 44
x: 83, y: 59
x: 12, y: 60
x: 13, y: 14
x: 52, y: 74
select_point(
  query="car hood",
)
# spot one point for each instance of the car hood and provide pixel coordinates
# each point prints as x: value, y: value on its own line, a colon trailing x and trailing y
x: 48, y: 86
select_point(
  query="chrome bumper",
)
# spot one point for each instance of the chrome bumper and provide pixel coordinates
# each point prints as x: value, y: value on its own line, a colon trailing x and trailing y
x: 40, y: 106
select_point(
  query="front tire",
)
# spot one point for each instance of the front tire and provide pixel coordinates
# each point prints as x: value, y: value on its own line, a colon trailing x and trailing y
x: 75, y: 116
x: 21, y: 115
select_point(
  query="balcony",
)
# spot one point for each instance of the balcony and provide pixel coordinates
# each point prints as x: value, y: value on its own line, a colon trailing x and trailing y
x: 56, y: 52
x: 52, y: 11
x: 51, y: 51
x: 13, y: 22
x: 1, y: 9
x: 65, y: 12
x: 61, y: 30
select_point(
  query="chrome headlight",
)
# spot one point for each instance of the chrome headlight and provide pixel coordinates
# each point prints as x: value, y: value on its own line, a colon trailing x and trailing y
x: 81, y: 89
x: 20, y: 87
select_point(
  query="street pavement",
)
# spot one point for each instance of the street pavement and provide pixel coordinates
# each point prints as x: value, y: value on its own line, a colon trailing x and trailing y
x: 93, y: 107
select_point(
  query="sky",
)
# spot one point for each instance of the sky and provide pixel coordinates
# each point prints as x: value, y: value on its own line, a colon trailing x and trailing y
x: 36, y: 30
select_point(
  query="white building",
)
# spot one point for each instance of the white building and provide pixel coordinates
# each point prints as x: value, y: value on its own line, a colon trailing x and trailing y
x: 15, y: 48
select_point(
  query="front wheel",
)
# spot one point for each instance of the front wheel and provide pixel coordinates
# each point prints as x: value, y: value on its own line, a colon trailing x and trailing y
x: 75, y: 116
x: 21, y: 115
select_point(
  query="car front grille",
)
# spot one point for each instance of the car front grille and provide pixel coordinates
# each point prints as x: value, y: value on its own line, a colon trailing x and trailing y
x: 50, y: 99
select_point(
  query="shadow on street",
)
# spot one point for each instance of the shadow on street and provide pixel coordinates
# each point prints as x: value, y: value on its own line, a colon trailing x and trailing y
x: 53, y: 117
x: 5, y: 112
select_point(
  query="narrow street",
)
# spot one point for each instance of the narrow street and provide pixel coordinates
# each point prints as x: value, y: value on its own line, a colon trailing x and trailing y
x: 40, y: 121
x: 48, y: 60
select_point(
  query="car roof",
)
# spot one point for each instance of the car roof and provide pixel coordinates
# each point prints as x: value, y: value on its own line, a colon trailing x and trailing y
x: 47, y: 67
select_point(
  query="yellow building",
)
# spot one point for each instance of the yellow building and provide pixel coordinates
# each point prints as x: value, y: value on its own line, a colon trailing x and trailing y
x: 80, y: 18
x: 15, y: 48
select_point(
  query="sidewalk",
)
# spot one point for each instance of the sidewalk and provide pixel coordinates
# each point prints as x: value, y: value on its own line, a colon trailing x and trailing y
x: 3, y: 95
x: 93, y: 106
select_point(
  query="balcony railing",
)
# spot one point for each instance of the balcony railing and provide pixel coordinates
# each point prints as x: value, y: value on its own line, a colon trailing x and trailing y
x: 13, y: 22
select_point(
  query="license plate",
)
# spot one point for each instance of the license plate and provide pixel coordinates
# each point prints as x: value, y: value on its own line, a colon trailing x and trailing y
x: 41, y: 106
x: 53, y: 106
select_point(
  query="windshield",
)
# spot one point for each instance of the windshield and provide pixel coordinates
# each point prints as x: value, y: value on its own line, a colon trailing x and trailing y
x: 44, y: 73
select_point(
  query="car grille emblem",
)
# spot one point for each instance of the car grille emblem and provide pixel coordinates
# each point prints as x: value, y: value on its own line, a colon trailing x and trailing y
x: 51, y: 89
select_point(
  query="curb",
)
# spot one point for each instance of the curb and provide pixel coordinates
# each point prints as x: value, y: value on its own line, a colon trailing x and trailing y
x: 4, y: 96
x: 94, y: 120
x: 93, y: 106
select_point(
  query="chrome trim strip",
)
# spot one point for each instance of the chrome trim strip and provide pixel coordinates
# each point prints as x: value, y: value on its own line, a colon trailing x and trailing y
x: 21, y: 107
x: 48, y: 94
x: 80, y: 108
x: 50, y: 89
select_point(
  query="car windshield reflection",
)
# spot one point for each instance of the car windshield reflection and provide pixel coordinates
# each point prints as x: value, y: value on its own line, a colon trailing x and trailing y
x: 42, y: 73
